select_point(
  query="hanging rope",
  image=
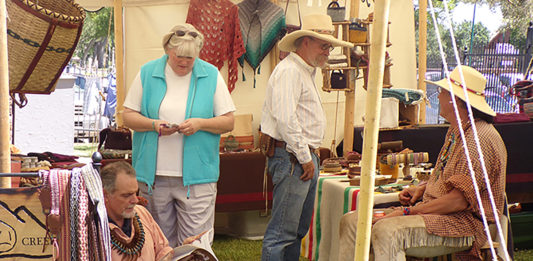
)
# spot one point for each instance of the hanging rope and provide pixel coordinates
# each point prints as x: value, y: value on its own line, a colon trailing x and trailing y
x: 334, y: 142
x: 474, y: 129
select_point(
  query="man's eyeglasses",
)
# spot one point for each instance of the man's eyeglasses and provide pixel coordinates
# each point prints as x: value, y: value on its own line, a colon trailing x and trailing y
x: 325, y: 46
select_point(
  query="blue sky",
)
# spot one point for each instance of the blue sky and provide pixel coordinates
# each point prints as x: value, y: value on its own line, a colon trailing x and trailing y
x: 491, y: 19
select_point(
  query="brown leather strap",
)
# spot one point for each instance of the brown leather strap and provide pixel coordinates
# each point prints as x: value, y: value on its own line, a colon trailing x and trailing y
x: 280, y: 144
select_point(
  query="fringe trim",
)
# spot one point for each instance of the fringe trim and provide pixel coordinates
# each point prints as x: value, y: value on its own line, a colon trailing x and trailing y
x: 418, y: 237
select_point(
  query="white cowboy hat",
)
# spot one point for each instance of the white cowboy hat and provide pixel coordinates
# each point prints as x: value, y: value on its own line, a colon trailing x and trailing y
x: 315, y: 25
x: 475, y: 82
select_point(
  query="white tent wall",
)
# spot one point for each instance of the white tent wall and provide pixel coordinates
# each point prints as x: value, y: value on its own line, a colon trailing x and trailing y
x: 146, y: 21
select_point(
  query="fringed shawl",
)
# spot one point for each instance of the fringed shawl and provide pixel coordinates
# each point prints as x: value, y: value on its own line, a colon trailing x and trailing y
x: 262, y: 24
x: 218, y: 20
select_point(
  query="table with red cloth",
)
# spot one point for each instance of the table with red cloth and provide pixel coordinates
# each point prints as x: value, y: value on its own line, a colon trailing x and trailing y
x: 240, y: 186
x: 334, y: 198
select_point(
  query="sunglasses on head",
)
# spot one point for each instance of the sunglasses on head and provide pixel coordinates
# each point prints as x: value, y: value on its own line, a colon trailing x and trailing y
x: 181, y: 33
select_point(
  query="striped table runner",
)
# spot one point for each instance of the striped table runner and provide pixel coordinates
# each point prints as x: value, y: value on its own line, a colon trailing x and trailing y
x: 334, y: 198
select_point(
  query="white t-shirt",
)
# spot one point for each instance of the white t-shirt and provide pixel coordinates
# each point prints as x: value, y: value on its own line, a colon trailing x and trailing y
x: 172, y: 109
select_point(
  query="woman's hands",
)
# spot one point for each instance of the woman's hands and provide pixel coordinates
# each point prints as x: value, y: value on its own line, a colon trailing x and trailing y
x: 190, y: 126
x: 411, y: 195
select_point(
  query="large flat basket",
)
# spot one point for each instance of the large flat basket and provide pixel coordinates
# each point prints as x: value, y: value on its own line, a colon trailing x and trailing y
x: 42, y: 36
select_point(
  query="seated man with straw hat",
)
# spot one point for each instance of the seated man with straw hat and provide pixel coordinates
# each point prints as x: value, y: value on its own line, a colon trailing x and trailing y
x: 294, y: 118
x: 448, y: 219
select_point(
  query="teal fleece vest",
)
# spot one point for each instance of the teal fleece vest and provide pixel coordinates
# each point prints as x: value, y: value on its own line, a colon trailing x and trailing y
x: 200, y: 150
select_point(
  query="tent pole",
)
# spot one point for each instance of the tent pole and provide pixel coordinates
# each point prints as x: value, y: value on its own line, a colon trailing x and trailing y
x: 422, y: 59
x: 370, y: 139
x: 349, y: 104
x: 119, y: 61
x: 5, y: 154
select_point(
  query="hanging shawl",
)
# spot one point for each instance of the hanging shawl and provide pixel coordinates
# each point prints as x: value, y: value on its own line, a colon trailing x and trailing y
x: 262, y: 25
x: 218, y: 20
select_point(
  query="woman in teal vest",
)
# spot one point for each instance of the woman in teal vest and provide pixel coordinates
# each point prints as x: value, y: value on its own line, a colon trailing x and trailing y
x: 178, y: 105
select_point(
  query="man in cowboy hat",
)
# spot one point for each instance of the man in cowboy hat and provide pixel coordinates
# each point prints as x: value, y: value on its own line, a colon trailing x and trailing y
x: 293, y: 117
x: 448, y: 217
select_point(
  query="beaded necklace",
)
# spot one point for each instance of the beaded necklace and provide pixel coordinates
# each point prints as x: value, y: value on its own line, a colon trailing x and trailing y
x: 134, y: 247
x: 445, y: 155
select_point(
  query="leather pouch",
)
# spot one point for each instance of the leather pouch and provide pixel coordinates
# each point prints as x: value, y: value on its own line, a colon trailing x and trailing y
x: 266, y: 144
x: 338, y: 80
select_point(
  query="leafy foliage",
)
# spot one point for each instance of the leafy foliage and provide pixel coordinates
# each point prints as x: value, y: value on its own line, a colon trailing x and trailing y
x: 516, y: 13
x: 463, y: 31
x: 96, y: 37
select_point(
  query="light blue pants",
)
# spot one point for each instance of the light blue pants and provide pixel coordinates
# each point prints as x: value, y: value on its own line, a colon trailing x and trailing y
x: 292, y: 207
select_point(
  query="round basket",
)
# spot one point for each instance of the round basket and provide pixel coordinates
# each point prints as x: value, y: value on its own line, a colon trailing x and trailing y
x: 42, y: 36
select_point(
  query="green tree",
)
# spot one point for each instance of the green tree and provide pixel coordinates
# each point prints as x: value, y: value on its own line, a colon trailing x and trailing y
x: 97, y: 37
x: 462, y: 34
x: 516, y: 13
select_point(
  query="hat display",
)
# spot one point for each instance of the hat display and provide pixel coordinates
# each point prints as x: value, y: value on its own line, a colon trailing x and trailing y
x: 318, y: 26
x: 475, y: 86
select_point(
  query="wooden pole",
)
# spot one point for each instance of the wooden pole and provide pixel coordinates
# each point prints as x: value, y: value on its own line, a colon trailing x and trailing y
x: 422, y: 47
x: 349, y: 108
x: 5, y: 153
x: 119, y: 61
x: 354, y: 8
x: 370, y: 139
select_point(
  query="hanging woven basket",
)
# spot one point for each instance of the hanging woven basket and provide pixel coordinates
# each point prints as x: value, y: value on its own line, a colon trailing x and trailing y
x: 42, y: 36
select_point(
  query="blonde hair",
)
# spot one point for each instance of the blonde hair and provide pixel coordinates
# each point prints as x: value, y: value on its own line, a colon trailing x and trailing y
x: 185, y: 45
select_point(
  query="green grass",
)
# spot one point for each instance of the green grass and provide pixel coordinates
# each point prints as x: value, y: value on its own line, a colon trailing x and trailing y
x: 85, y: 149
x: 523, y: 255
x: 234, y: 249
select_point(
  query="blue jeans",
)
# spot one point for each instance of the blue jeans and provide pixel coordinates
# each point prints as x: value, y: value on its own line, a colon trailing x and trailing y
x: 292, y: 208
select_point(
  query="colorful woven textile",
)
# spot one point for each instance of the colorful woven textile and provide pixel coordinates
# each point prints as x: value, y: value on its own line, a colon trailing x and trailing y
x: 96, y: 196
x: 262, y: 24
x: 218, y: 20
x: 406, y: 96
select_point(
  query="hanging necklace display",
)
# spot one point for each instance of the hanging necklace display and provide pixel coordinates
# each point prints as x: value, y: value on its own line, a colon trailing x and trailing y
x: 134, y: 247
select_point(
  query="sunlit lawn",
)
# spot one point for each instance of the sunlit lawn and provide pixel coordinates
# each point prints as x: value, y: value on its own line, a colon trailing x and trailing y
x: 233, y: 249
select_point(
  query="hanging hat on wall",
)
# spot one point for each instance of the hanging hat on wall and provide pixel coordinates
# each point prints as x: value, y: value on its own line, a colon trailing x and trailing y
x: 315, y: 25
x: 262, y: 23
x: 475, y: 86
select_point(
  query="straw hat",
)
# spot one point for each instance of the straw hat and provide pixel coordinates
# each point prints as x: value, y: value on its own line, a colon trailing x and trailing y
x: 475, y: 82
x: 315, y: 25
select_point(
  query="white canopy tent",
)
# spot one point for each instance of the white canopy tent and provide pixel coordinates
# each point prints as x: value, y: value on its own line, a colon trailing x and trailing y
x: 140, y: 25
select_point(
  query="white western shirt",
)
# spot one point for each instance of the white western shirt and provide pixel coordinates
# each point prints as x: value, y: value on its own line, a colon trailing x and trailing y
x: 292, y: 111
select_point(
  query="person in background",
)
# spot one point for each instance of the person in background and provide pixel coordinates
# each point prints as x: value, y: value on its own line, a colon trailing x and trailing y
x: 178, y: 105
x: 448, y: 217
x: 293, y: 116
x: 134, y: 233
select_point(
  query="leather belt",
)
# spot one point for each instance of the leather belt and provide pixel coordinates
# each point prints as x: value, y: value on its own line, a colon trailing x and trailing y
x: 282, y: 144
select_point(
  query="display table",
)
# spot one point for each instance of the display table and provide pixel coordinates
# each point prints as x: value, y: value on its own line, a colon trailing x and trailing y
x: 517, y: 137
x: 240, y: 186
x: 334, y: 198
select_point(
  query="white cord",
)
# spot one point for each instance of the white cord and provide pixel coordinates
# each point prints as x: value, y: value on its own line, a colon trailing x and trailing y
x: 470, y: 115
